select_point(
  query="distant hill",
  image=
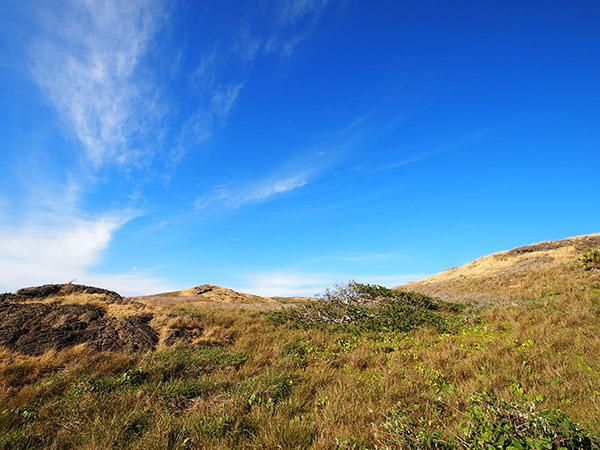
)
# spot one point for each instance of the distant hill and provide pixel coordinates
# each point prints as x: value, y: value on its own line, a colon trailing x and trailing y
x: 212, y: 293
x: 518, y: 274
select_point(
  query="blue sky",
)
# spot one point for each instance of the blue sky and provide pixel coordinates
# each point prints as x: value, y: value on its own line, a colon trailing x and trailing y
x: 278, y: 147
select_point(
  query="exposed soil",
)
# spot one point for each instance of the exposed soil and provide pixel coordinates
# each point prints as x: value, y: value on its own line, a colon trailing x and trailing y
x: 34, y: 320
x: 182, y: 338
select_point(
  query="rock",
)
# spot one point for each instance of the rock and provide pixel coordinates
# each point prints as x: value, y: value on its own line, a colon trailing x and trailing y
x: 34, y: 328
x: 53, y: 290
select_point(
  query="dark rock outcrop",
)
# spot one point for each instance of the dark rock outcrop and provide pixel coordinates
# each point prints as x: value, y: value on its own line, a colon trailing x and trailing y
x: 34, y: 328
x: 38, y: 293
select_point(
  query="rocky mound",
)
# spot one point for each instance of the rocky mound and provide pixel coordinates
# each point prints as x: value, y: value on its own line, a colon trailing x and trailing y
x: 34, y: 328
x: 36, y: 319
x: 48, y: 291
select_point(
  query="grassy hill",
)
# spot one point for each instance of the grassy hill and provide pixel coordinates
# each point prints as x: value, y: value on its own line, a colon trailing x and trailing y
x: 506, y: 356
x: 528, y: 272
x: 215, y: 296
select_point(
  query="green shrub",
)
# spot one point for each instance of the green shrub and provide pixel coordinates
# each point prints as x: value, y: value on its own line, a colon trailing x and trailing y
x: 370, y: 308
x: 489, y: 424
x: 266, y: 388
x: 497, y: 424
x: 591, y: 260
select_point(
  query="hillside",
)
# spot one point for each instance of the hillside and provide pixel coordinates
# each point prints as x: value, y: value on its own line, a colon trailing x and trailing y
x: 523, y: 273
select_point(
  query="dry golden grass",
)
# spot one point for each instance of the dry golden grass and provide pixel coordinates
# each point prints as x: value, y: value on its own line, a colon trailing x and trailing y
x: 248, y: 383
x: 521, y: 273
x: 216, y: 296
x: 334, y: 387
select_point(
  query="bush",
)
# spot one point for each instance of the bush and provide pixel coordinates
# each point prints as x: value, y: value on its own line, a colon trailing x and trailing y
x: 370, y: 307
x: 591, y: 260
x: 489, y: 424
x: 498, y: 424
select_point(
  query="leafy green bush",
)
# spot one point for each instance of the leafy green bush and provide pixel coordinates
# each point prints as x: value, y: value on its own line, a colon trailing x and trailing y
x: 489, y: 424
x: 591, y: 260
x: 497, y: 424
x: 370, y: 307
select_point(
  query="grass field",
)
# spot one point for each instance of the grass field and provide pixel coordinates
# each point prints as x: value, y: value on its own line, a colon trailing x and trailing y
x: 250, y: 379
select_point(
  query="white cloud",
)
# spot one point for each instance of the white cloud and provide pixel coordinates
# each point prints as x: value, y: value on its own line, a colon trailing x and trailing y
x: 58, y: 248
x: 294, y: 10
x: 88, y: 65
x: 223, y: 99
x: 229, y: 197
x: 68, y: 247
x: 263, y: 191
x: 94, y: 62
x: 309, y: 284
x: 271, y: 284
x: 129, y: 284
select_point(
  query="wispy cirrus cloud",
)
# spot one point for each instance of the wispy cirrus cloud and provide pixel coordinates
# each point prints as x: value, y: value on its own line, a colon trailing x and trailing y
x: 232, y: 197
x: 95, y: 62
x: 291, y: 283
x: 211, y: 113
x: 291, y: 11
x: 89, y: 63
x: 295, y: 21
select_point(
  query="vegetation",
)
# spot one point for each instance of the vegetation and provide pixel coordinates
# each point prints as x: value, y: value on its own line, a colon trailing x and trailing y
x: 362, y: 367
x: 591, y: 260
x: 490, y: 423
x: 365, y: 307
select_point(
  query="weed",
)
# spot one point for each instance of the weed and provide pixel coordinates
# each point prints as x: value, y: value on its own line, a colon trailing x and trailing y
x: 188, y: 363
x: 400, y: 431
x: 591, y: 260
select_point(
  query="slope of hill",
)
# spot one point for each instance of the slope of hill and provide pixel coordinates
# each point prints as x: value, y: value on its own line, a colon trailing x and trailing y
x: 523, y: 273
